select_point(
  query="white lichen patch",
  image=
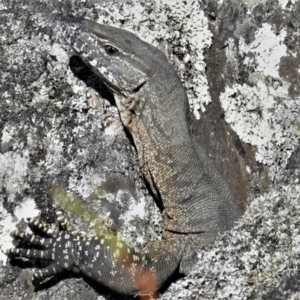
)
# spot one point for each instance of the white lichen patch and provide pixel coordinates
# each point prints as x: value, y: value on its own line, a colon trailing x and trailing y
x: 8, y: 224
x: 137, y: 211
x: 263, y: 114
x: 54, y: 152
x: 183, y: 25
x: 268, y: 48
x: 113, y: 127
x: 252, y: 3
x: 60, y: 53
x: 265, y: 118
x: 260, y: 250
x: 12, y: 172
x: 285, y: 3
x: 87, y: 183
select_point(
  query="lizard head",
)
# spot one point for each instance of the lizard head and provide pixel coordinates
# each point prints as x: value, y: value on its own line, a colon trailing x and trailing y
x: 122, y: 60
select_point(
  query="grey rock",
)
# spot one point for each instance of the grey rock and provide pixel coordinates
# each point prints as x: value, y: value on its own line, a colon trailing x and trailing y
x: 37, y: 89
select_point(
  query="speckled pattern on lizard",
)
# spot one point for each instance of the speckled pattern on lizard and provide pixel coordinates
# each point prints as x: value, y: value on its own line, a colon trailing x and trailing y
x: 197, y: 202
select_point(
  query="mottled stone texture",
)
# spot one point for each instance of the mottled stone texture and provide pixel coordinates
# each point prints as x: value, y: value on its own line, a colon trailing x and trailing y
x: 59, y: 126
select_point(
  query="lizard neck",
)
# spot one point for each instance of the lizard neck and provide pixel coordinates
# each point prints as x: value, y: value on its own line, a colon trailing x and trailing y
x: 178, y: 171
x: 157, y: 118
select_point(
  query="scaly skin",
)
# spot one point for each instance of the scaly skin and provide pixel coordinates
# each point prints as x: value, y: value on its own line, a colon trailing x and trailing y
x: 197, y: 202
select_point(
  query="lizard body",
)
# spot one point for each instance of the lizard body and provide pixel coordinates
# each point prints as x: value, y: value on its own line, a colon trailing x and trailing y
x: 153, y: 106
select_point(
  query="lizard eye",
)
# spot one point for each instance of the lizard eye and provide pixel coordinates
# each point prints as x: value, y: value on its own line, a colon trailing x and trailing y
x: 111, y: 50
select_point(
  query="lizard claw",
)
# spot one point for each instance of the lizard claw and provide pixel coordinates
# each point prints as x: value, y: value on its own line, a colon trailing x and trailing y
x: 63, y: 221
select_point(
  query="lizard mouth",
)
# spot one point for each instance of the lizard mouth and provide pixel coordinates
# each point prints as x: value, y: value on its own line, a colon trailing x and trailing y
x: 139, y: 87
x: 114, y: 90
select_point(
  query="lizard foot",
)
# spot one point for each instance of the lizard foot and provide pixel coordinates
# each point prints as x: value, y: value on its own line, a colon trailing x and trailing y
x: 47, y: 244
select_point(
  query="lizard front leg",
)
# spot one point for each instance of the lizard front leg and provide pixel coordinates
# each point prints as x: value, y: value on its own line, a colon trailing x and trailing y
x: 105, y: 259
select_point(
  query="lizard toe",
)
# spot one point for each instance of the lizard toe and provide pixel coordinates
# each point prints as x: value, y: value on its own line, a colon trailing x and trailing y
x: 36, y: 224
x: 29, y: 253
x: 31, y: 239
x: 41, y: 274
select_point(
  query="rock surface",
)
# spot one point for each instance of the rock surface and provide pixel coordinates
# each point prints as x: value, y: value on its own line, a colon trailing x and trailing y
x: 59, y: 127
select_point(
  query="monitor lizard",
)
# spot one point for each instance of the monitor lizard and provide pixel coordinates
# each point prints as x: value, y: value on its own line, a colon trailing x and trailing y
x: 197, y: 202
